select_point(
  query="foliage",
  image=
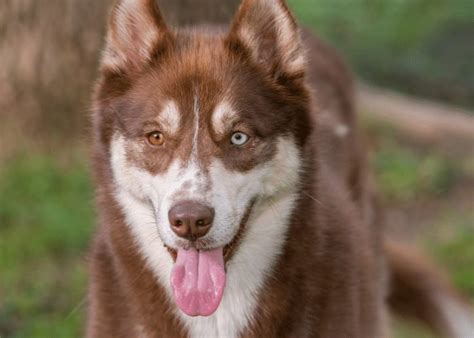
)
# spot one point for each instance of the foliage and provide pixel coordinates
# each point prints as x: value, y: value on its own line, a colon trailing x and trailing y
x: 403, y: 174
x: 453, y: 248
x: 46, y: 218
x: 418, y: 46
x: 45, y: 223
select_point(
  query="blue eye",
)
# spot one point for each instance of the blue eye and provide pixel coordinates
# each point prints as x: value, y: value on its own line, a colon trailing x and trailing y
x: 239, y: 139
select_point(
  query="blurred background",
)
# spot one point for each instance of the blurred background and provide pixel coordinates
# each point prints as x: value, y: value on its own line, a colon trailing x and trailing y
x: 415, y: 63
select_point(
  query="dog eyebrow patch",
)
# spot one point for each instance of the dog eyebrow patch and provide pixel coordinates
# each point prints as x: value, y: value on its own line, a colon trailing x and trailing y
x: 170, y: 117
x: 223, y: 117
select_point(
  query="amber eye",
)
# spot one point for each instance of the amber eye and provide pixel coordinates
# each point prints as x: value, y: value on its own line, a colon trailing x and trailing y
x: 156, y: 138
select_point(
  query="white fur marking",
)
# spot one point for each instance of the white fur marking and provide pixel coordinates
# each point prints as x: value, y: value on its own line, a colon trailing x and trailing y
x: 222, y: 117
x: 246, y: 273
x: 275, y: 182
x: 134, y: 31
x: 271, y: 15
x: 459, y: 317
x: 170, y: 117
x: 341, y: 130
x: 196, y: 124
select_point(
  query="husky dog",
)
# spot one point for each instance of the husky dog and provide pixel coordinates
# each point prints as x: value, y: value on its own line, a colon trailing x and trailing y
x: 233, y: 194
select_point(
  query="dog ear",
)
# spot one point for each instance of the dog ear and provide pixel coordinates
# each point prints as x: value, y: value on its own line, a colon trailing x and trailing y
x: 136, y: 31
x: 268, y: 30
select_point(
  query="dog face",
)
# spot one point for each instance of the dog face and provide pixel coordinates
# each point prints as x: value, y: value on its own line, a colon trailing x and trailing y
x: 204, y: 119
x: 203, y: 130
x: 220, y: 140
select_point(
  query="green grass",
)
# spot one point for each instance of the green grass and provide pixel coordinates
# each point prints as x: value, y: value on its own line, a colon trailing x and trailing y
x: 405, y: 171
x: 421, y: 47
x: 407, y: 174
x: 403, y: 174
x: 405, y: 329
x: 46, y: 216
x: 45, y: 223
x: 452, y: 246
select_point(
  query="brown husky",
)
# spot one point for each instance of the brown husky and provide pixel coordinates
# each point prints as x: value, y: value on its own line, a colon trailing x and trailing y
x: 233, y: 194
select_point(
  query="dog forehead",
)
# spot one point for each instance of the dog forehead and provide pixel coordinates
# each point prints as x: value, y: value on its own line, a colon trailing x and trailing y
x: 206, y: 76
x: 170, y: 116
x: 223, y: 116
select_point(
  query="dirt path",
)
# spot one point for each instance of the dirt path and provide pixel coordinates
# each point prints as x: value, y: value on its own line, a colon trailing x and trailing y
x: 426, y: 121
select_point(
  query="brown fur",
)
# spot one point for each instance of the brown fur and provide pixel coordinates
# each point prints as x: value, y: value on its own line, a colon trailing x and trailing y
x: 416, y: 287
x: 333, y: 263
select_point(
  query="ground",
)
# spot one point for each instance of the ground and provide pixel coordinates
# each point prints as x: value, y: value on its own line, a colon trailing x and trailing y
x: 46, y: 220
x: 46, y: 214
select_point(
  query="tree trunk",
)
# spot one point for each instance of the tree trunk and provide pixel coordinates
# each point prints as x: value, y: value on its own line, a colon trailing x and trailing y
x: 49, y: 52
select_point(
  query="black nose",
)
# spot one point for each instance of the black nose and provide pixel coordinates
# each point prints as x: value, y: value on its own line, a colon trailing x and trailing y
x: 191, y: 220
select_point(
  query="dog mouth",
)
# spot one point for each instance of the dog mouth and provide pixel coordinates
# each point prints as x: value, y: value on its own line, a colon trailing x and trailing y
x: 230, y: 248
x: 198, y: 277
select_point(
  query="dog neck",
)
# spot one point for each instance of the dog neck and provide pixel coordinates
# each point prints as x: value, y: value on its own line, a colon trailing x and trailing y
x: 247, y: 271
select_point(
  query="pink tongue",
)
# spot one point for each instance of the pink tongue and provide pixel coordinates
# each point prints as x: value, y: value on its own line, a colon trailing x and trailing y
x: 198, y: 280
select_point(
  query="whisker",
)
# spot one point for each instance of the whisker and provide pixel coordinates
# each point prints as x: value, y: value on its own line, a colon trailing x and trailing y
x: 312, y: 197
x: 142, y: 271
x: 76, y: 308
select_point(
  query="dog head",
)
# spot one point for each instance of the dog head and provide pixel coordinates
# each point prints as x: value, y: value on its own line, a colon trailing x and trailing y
x: 204, y: 127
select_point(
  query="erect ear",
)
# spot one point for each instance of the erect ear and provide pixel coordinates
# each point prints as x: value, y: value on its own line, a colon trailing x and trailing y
x: 136, y: 29
x: 268, y: 30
